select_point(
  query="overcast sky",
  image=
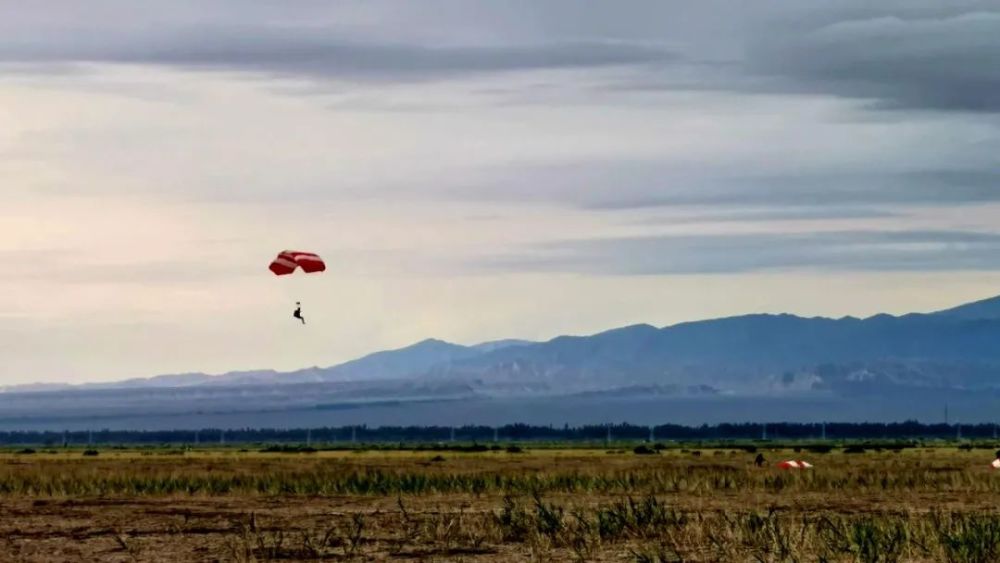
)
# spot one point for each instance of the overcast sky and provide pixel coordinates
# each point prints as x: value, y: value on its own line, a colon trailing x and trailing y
x: 475, y: 170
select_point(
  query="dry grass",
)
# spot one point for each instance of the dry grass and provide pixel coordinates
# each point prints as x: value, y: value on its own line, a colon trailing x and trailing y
x: 934, y: 504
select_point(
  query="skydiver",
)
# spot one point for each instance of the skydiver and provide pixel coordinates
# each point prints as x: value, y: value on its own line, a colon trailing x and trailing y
x: 298, y: 312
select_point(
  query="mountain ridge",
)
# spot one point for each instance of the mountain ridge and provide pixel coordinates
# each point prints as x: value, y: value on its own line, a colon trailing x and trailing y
x: 731, y: 353
x: 988, y: 308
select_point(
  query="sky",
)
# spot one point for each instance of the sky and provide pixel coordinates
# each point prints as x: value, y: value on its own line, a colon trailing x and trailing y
x: 476, y: 170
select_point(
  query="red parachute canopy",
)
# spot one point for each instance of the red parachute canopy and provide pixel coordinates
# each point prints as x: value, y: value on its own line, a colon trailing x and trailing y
x: 288, y: 260
x: 794, y: 464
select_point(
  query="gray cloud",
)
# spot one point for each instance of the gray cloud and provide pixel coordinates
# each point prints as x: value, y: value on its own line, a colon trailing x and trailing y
x: 318, y: 52
x: 636, y: 184
x: 173, y: 273
x: 898, y: 54
x: 769, y: 215
x: 948, y: 62
x: 728, y: 254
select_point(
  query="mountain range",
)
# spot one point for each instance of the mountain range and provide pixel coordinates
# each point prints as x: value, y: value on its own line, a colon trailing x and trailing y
x: 750, y: 367
x: 750, y: 354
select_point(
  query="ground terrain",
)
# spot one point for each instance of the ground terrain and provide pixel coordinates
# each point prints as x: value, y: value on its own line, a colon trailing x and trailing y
x: 933, y: 502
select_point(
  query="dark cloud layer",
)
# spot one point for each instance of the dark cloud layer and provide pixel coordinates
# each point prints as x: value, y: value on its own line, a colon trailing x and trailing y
x: 950, y: 62
x: 914, y: 55
x: 772, y: 214
x: 308, y: 51
x: 911, y: 55
x: 715, y: 254
x: 638, y: 184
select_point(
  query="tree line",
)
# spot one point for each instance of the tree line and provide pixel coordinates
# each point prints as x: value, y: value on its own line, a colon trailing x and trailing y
x: 512, y: 433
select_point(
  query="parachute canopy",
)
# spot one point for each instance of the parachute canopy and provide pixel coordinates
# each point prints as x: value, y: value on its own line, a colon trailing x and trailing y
x: 996, y: 463
x: 289, y: 260
x: 794, y: 464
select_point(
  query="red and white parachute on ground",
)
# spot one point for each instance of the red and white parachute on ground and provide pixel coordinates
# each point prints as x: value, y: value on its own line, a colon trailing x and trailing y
x: 996, y: 463
x: 794, y: 464
x: 290, y: 260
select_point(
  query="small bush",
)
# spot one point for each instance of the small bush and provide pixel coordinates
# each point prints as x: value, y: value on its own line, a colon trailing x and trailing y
x: 91, y: 452
x: 644, y: 450
x: 513, y: 520
x: 971, y: 538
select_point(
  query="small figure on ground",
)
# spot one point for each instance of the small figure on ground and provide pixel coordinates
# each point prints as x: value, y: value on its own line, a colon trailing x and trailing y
x: 298, y: 312
x: 759, y: 461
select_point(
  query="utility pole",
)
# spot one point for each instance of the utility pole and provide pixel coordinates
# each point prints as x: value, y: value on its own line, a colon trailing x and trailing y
x: 763, y: 431
x: 354, y: 434
x: 496, y: 433
x: 65, y: 439
x: 452, y: 437
x: 309, y: 437
x: 652, y: 435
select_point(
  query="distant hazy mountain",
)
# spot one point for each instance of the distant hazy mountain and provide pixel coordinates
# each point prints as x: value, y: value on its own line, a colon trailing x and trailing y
x: 494, y: 345
x: 760, y: 353
x: 875, y: 368
x: 395, y: 364
x: 985, y: 309
x: 412, y: 360
x: 752, y: 354
x: 379, y: 366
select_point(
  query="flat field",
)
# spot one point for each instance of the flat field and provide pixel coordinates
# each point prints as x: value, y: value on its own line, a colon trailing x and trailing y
x: 937, y: 503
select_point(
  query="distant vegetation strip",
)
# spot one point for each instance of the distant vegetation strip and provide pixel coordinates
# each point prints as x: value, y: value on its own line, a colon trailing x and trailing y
x: 413, y: 474
x: 785, y: 431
